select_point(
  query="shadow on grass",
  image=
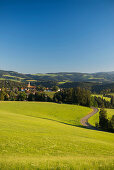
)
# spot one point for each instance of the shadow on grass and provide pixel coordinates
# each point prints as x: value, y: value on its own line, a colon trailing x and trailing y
x: 69, y: 124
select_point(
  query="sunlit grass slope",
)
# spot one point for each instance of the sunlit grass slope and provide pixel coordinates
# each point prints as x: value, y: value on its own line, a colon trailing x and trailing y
x: 29, y: 142
x: 70, y: 114
x: 95, y: 118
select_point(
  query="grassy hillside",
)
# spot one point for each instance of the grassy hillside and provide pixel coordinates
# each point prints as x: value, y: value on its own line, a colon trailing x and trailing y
x: 29, y: 142
x: 65, y: 113
x: 95, y: 118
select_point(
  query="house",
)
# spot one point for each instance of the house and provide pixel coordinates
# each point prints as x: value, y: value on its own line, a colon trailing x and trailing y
x: 22, y: 89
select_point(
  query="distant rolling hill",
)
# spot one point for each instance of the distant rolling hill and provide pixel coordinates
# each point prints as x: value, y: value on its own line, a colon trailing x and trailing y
x: 59, y: 77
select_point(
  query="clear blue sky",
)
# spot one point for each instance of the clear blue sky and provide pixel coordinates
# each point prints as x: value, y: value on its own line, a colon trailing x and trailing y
x: 57, y: 35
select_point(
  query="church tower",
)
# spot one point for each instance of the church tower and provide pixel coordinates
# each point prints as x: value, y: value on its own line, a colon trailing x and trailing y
x: 29, y: 84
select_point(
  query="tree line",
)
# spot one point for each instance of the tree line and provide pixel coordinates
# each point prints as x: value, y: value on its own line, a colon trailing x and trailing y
x: 11, y: 84
x: 80, y: 96
x: 77, y: 95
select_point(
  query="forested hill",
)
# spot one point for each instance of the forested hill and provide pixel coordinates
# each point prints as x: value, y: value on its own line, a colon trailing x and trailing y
x: 59, y: 77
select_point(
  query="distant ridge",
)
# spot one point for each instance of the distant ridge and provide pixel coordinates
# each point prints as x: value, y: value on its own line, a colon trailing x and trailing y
x: 106, y: 77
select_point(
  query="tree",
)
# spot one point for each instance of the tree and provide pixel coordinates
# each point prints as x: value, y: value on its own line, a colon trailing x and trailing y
x: 93, y: 102
x: 83, y: 96
x: 111, y: 124
x: 40, y: 88
x: 55, y: 88
x: 112, y: 101
x: 6, y: 97
x: 74, y: 96
x: 40, y: 96
x: 12, y: 96
x: 21, y: 96
x: 103, y: 121
x: 58, y: 97
x: 2, y: 96
x: 31, y: 97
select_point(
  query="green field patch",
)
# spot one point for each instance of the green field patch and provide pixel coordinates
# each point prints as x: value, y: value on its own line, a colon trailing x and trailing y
x: 112, y: 94
x: 101, y: 96
x: 2, y: 79
x: 42, y: 75
x: 63, y: 82
x: 96, y: 78
x: 13, y: 77
x: 50, y: 93
x: 31, y: 80
x: 10, y: 80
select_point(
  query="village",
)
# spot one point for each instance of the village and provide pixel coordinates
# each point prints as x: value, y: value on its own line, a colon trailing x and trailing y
x: 34, y: 89
x: 28, y: 92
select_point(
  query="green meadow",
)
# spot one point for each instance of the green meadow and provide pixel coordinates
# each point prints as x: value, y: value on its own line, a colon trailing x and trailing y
x: 35, y: 135
x: 112, y: 94
x: 100, y: 95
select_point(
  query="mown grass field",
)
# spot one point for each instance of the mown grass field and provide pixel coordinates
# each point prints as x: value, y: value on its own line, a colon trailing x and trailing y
x: 37, y: 135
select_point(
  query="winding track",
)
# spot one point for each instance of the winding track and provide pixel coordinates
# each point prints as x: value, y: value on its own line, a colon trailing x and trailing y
x: 84, y: 120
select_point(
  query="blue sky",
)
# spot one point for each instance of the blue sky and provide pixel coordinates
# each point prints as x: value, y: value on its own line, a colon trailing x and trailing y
x: 57, y: 35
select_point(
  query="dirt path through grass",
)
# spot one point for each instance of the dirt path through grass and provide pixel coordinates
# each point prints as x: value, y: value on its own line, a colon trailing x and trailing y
x: 84, y: 120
